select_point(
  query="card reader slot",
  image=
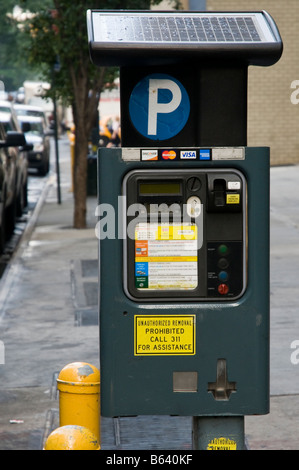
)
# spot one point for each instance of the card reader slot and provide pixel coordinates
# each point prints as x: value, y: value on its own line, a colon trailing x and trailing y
x: 219, y: 192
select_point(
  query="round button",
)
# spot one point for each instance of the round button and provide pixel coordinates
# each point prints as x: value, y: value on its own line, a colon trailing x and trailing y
x: 223, y: 263
x: 223, y: 276
x: 223, y: 289
x: 222, y: 250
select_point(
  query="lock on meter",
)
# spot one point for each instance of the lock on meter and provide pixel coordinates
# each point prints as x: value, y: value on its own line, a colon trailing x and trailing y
x: 193, y: 207
x: 185, y: 234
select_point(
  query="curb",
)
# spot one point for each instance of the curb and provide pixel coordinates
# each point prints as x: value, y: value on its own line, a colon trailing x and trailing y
x: 12, y: 267
x: 26, y: 235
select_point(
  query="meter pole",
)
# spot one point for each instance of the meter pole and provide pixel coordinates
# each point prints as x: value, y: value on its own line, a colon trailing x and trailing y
x: 56, y: 151
x: 218, y: 433
x: 56, y: 69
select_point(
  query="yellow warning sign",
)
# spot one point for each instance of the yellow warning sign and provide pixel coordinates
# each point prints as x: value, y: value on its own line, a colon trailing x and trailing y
x: 222, y: 443
x: 233, y: 199
x: 170, y: 335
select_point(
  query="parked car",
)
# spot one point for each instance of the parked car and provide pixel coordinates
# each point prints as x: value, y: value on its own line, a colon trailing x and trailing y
x: 28, y: 110
x: 7, y: 182
x: 37, y: 135
x: 6, y: 106
x: 19, y: 156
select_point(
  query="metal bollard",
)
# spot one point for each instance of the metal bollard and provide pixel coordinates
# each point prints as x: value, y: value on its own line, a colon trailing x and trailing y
x: 79, y: 396
x: 71, y: 438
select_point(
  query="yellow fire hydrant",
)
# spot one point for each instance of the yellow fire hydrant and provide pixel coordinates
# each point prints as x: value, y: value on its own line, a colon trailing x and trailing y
x: 72, y: 438
x: 79, y: 396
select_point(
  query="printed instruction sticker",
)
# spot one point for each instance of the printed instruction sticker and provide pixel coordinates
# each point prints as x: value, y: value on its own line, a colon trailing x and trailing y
x: 171, y: 335
x: 166, y: 256
x: 222, y: 443
x: 232, y: 198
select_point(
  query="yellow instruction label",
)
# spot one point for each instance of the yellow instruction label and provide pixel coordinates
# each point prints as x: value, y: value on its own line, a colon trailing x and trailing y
x: 166, y: 256
x: 170, y: 335
x: 233, y: 199
x: 222, y: 443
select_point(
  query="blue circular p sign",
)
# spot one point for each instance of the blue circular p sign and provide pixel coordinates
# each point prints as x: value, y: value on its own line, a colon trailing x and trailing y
x: 159, y: 106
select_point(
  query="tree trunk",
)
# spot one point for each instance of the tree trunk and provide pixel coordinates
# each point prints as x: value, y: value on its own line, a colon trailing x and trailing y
x: 80, y: 179
x: 85, y: 106
x: 81, y: 149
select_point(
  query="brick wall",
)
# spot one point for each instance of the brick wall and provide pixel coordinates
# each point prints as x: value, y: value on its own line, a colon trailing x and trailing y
x: 272, y: 118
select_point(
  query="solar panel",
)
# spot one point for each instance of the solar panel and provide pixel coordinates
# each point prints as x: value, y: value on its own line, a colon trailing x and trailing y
x: 180, y: 31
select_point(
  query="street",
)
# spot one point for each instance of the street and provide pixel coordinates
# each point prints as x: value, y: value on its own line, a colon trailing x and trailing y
x: 36, y: 184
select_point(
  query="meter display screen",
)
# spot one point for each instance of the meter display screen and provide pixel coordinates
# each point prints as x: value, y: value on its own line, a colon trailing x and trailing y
x: 160, y: 189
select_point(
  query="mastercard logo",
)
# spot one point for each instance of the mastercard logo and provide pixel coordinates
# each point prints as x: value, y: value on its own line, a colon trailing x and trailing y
x: 169, y: 154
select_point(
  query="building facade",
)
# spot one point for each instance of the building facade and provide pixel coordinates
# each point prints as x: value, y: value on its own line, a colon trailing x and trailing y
x: 273, y: 92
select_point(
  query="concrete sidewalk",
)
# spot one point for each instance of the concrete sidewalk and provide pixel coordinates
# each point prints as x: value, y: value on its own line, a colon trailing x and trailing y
x: 48, y: 318
x: 44, y: 312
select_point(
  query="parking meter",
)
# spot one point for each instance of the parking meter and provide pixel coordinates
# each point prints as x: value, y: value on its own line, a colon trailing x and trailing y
x: 184, y: 216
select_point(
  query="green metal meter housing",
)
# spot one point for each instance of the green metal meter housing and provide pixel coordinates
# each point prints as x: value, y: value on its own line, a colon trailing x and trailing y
x: 231, y: 338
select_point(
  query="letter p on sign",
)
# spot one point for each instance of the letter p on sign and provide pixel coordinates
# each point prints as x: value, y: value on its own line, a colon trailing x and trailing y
x: 159, y: 107
x: 154, y: 107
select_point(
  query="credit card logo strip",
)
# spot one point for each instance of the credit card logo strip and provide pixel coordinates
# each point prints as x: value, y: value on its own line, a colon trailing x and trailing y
x: 202, y: 154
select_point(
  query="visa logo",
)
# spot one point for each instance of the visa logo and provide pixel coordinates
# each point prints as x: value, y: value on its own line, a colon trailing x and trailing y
x: 188, y: 154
